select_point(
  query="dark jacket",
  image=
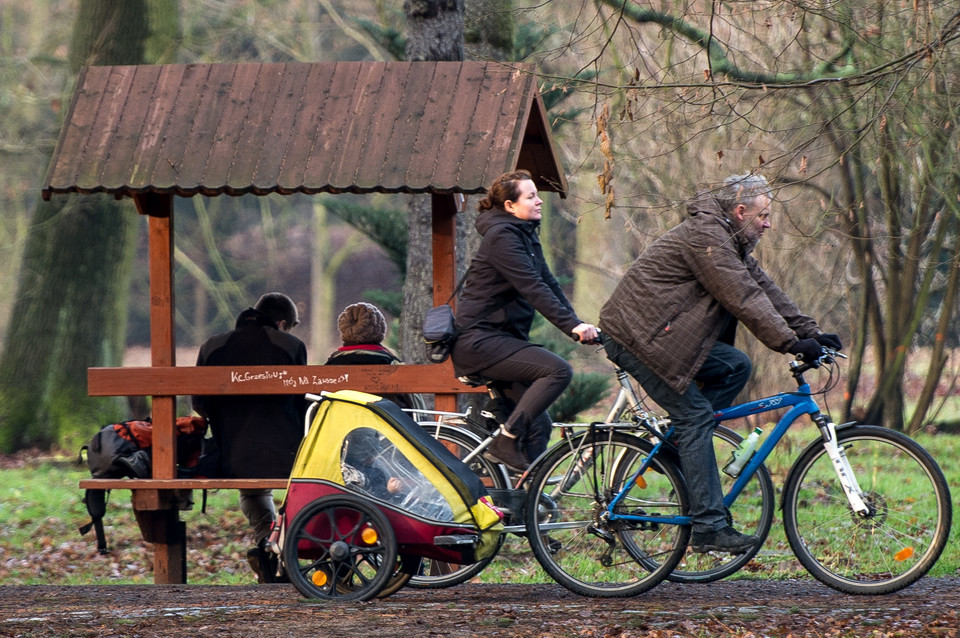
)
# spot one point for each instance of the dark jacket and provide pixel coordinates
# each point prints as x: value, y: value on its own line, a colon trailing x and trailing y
x: 257, y: 436
x: 374, y: 354
x: 508, y: 281
x: 674, y: 301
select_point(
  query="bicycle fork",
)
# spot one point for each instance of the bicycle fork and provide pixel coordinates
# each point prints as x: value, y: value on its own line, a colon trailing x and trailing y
x: 841, y: 465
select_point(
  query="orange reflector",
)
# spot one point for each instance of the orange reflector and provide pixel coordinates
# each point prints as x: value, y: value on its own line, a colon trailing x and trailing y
x: 319, y: 578
x: 369, y: 535
x: 903, y: 554
x: 641, y: 482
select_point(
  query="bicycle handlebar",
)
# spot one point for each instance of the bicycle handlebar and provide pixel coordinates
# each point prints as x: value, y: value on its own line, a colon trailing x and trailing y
x: 799, y: 365
x: 592, y: 342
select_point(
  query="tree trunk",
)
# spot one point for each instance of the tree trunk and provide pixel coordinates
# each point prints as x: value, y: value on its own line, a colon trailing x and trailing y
x: 938, y: 355
x: 434, y: 30
x: 418, y: 283
x: 322, y: 285
x: 434, y: 33
x: 71, y: 303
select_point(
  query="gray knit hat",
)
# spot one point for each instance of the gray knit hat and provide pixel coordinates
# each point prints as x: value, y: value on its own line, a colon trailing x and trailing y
x: 361, y: 323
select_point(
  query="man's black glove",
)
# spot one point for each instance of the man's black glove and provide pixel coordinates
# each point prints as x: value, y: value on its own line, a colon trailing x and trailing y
x: 830, y: 340
x: 808, y: 349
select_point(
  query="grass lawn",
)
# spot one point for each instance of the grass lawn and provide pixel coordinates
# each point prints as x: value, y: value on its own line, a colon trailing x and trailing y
x: 41, y: 510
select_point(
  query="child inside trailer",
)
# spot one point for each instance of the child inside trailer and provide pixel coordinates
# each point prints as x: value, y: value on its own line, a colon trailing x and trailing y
x: 373, y: 465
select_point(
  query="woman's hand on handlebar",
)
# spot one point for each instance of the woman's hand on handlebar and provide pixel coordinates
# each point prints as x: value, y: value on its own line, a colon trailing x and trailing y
x: 586, y: 333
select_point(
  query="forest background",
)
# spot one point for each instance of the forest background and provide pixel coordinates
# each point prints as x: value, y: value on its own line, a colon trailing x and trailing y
x: 848, y: 107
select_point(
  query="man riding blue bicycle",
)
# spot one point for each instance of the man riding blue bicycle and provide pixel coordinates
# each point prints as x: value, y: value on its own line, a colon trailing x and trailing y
x: 671, y: 321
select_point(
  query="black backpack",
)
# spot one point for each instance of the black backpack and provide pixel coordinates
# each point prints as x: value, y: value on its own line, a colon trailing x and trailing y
x: 122, y: 450
x: 119, y: 450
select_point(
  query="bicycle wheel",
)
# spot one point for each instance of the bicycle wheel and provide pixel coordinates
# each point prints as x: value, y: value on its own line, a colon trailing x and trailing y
x: 434, y: 573
x: 399, y: 578
x: 752, y: 513
x: 891, y: 546
x: 340, y: 548
x: 571, y: 536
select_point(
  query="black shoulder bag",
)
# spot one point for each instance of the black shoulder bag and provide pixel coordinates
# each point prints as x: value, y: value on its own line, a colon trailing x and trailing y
x: 439, y: 330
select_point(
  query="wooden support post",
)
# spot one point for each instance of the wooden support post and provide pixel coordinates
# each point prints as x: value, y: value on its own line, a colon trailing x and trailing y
x: 158, y: 515
x: 163, y: 524
x: 444, y: 211
x: 444, y: 247
x: 159, y: 209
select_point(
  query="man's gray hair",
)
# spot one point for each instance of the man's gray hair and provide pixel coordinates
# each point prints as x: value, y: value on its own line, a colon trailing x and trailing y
x: 738, y: 189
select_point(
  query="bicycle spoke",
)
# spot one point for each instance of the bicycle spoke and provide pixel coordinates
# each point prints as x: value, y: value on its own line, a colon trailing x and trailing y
x: 752, y: 513
x: 571, y: 532
x: 329, y: 554
x: 435, y: 573
x: 893, y: 544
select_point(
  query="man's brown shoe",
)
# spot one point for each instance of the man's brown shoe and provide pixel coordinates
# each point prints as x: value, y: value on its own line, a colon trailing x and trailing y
x: 725, y: 539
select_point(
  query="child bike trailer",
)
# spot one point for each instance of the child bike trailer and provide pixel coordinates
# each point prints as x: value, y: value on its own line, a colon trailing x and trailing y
x: 370, y: 495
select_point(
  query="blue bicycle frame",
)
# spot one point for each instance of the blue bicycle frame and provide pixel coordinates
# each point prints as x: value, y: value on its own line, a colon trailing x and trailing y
x: 800, y: 402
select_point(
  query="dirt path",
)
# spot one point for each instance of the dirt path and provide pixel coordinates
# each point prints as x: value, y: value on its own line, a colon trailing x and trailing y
x: 736, y: 608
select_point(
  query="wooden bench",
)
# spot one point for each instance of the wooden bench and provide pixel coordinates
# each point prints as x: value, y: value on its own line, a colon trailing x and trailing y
x: 157, y: 501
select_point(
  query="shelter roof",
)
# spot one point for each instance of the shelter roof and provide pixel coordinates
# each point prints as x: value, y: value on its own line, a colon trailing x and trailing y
x: 211, y: 129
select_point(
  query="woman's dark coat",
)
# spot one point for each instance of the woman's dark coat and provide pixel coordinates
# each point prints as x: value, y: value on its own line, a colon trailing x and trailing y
x: 508, y: 281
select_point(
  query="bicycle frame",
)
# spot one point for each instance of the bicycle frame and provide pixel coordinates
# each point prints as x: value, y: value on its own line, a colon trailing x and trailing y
x: 626, y: 399
x: 800, y: 402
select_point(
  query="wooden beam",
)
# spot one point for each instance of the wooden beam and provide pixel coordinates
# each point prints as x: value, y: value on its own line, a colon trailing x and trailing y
x: 168, y: 534
x: 215, y: 380
x: 163, y: 347
x: 444, y: 210
x: 444, y: 247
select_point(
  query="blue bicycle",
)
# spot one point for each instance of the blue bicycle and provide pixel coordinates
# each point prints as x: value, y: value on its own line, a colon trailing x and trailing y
x: 866, y: 509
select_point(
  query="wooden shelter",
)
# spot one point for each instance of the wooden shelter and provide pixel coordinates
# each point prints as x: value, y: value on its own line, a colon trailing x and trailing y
x: 155, y: 132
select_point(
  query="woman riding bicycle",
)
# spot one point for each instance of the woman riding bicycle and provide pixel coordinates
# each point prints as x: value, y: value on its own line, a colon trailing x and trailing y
x: 508, y: 280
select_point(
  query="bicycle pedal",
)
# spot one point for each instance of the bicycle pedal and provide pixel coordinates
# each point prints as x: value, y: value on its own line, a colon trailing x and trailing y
x: 602, y: 534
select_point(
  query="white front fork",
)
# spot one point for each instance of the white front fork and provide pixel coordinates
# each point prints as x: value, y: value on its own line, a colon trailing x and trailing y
x: 844, y: 472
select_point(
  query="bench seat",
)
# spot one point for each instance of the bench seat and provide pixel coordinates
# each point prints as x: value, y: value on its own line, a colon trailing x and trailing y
x: 182, y: 484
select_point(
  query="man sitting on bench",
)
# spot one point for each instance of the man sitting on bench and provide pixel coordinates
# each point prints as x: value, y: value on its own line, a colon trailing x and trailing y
x: 255, y: 436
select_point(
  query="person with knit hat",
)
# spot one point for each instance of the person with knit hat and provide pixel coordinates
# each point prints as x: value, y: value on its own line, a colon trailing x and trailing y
x: 362, y: 331
x: 362, y: 324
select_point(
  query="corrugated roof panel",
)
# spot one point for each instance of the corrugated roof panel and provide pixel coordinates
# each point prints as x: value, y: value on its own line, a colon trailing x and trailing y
x: 233, y: 112
x: 102, y: 139
x: 287, y: 175
x: 268, y: 127
x: 73, y: 135
x: 508, y: 147
x: 405, y: 130
x: 176, y: 136
x: 131, y: 122
x: 208, y: 119
x: 152, y: 134
x: 364, y: 110
x: 385, y: 124
x: 346, y: 126
x: 427, y: 146
x: 316, y: 165
x: 453, y: 136
x: 493, y: 119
